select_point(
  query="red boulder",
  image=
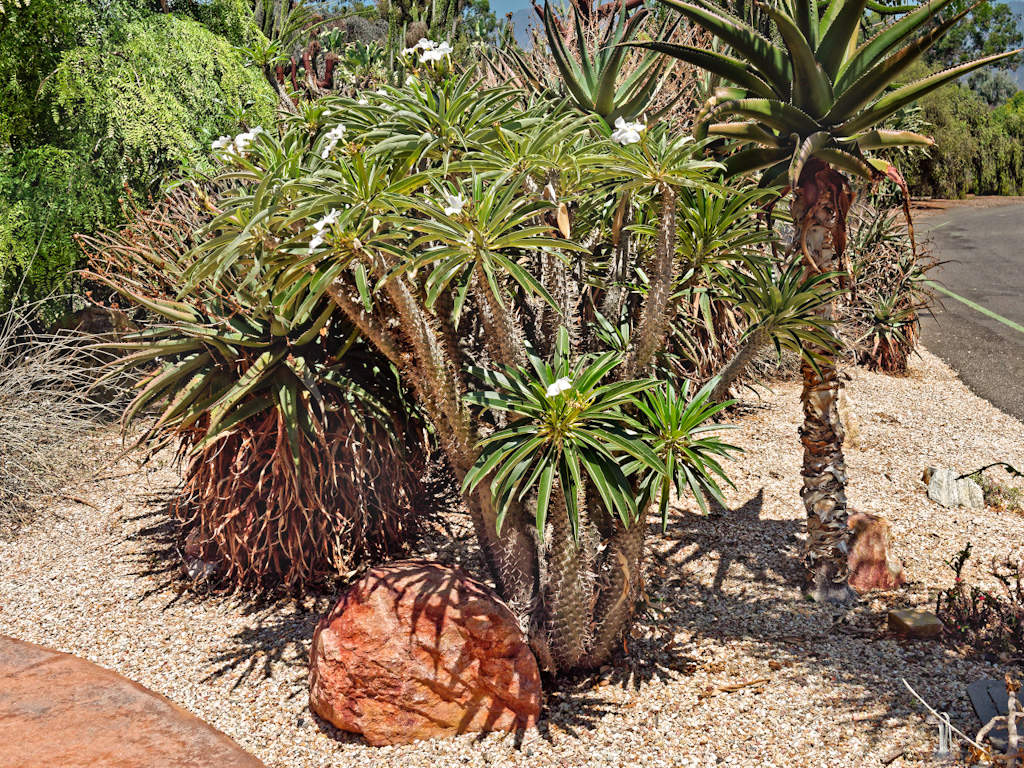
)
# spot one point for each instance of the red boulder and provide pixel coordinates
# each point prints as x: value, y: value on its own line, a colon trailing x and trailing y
x: 416, y: 650
x: 871, y: 560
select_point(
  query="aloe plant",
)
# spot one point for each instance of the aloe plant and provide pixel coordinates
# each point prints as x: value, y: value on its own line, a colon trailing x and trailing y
x: 594, y: 78
x: 301, y: 458
x: 805, y: 113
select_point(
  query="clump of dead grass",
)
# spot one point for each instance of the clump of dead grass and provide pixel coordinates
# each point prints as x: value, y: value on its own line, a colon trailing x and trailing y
x: 48, y: 412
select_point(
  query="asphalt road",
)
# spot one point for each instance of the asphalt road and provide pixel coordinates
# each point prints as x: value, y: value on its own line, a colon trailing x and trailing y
x: 983, y: 251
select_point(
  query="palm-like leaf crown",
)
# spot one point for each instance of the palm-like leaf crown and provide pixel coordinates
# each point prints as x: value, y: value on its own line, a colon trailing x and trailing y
x: 823, y: 91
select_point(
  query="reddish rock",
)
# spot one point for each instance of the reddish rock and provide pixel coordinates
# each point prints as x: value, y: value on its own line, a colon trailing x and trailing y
x: 415, y: 650
x: 871, y: 561
x: 59, y: 711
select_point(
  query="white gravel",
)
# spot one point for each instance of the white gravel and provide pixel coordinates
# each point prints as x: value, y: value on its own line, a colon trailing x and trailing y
x: 724, y: 608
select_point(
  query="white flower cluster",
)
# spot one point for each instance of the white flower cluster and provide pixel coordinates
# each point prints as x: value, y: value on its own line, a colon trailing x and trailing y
x: 627, y: 133
x: 225, y: 146
x: 562, y: 385
x: 336, y: 134
x: 430, y: 51
x: 327, y: 221
x: 453, y: 204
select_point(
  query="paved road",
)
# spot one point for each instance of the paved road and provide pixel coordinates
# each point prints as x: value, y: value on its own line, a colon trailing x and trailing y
x: 984, y: 251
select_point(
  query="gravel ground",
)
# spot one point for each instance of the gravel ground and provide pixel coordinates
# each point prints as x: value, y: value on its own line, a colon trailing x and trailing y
x: 725, y: 609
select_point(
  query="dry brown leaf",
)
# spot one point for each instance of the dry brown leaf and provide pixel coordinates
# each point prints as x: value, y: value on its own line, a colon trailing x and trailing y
x: 563, y: 219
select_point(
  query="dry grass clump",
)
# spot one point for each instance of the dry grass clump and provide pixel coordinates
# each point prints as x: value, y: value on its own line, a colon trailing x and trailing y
x: 47, y: 411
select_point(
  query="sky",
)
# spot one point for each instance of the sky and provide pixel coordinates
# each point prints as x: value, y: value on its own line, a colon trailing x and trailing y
x: 501, y: 7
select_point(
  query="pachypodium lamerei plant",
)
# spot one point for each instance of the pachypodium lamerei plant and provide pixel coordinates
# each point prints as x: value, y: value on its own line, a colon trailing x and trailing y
x: 806, y: 113
x: 465, y: 233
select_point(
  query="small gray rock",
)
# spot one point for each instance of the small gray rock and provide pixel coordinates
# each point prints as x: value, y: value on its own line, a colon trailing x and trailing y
x: 970, y: 494
x: 942, y: 488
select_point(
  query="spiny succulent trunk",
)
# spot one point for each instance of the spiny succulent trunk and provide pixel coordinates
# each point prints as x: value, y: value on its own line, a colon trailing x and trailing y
x: 654, y: 319
x: 512, y: 557
x: 621, y: 587
x: 561, y: 637
x: 588, y: 591
x: 620, y: 265
x: 819, y: 209
x: 502, y: 336
x: 739, y: 363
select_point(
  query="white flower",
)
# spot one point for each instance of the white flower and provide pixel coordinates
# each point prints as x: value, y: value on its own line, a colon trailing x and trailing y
x: 409, y: 51
x: 363, y: 102
x: 425, y: 44
x: 453, y: 204
x: 435, y: 53
x: 315, y: 243
x: 223, y: 148
x: 381, y: 92
x: 243, y: 140
x: 560, y: 386
x: 327, y: 221
x: 333, y: 136
x: 627, y: 133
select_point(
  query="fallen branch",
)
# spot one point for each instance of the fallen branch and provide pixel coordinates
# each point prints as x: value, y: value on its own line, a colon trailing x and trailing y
x: 740, y: 686
x: 78, y: 499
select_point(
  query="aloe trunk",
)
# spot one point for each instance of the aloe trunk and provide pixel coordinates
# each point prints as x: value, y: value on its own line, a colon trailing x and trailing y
x: 819, y: 209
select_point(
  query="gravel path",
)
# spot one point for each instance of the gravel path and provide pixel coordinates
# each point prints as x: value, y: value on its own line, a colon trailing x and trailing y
x: 724, y: 609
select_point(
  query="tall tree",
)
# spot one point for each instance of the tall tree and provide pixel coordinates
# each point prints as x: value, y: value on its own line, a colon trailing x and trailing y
x: 988, y: 28
x: 807, y: 109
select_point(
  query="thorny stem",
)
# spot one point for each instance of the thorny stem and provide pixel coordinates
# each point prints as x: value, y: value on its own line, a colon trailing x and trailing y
x: 653, y: 319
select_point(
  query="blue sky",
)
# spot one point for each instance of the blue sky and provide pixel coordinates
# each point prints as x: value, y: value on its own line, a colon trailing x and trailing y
x: 501, y: 7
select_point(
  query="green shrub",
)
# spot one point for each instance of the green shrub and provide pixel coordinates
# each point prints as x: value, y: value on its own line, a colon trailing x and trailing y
x: 129, y: 104
x: 977, y: 150
x: 51, y: 194
x: 153, y: 105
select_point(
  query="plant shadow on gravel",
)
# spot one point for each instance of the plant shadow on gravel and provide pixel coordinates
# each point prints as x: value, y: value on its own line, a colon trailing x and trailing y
x: 734, y: 576
x: 281, y: 625
x: 730, y: 576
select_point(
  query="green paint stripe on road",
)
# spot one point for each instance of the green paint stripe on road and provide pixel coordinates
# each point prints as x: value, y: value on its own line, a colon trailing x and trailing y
x: 978, y: 307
